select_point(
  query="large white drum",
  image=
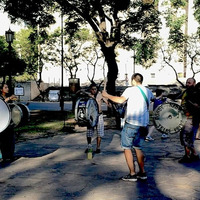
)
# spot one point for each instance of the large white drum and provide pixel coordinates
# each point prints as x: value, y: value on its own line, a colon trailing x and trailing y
x: 25, y: 113
x: 16, y: 114
x: 86, y: 112
x: 169, y: 118
x: 20, y: 114
x: 5, y: 115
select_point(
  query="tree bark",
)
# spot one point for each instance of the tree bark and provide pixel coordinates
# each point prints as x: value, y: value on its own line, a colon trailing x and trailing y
x: 109, y: 53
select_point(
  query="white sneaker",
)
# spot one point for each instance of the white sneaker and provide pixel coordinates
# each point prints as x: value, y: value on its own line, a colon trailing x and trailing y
x: 149, y: 138
x: 164, y: 136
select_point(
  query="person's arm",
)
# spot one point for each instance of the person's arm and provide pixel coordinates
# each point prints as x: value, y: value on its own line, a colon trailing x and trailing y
x: 12, y: 98
x: 115, y: 99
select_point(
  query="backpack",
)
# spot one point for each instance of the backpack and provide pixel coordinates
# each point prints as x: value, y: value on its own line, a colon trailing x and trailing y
x: 157, y: 102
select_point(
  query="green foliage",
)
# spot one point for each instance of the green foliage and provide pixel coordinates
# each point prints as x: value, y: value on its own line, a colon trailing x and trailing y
x: 9, y: 62
x: 113, y: 22
x: 73, y: 48
x: 3, y: 50
x: 28, y: 44
x: 146, y: 51
x: 27, y: 49
x: 176, y: 21
x: 178, y: 3
x: 138, y: 17
x: 197, y: 12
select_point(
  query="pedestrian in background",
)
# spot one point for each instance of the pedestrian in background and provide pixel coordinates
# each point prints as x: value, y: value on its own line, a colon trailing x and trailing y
x: 160, y: 99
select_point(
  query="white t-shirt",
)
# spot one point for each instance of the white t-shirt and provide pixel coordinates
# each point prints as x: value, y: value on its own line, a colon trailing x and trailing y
x: 137, y: 112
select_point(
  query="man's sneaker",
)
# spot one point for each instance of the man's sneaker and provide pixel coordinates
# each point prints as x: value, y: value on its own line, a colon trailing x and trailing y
x: 98, y: 151
x: 142, y: 176
x: 149, y: 138
x: 185, y: 159
x: 129, y: 177
x: 88, y: 147
x: 194, y: 157
x: 164, y: 136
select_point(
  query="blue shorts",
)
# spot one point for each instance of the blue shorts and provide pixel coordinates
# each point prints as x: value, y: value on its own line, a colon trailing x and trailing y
x: 130, y: 137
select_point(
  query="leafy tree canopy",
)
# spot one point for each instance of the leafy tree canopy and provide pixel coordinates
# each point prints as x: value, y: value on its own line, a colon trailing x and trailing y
x: 9, y: 63
x: 197, y: 12
x: 114, y: 22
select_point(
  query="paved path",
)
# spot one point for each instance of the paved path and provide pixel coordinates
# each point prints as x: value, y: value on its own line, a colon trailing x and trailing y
x: 56, y: 168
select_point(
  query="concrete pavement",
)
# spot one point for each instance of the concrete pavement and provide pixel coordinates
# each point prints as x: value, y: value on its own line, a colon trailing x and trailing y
x: 56, y: 168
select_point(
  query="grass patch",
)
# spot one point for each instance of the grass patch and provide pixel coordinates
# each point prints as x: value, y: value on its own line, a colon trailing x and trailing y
x: 42, y: 122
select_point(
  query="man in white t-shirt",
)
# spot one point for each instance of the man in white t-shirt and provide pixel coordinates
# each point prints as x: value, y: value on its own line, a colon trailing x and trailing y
x: 135, y: 129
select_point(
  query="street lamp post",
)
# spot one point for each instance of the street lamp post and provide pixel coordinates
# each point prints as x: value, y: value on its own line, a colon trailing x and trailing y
x: 9, y: 39
x: 62, y: 60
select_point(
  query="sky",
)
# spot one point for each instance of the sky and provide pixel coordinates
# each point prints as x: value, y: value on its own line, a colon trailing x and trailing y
x: 6, y: 24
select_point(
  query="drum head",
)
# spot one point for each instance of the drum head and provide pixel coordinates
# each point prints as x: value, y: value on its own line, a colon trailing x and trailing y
x: 5, y: 116
x: 26, y: 113
x: 92, y: 112
x: 79, y: 104
x: 169, y: 118
x: 16, y: 114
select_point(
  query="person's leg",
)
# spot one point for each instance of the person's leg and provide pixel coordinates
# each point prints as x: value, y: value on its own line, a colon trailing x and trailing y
x: 8, y: 144
x: 128, y: 136
x: 198, y: 134
x: 187, y: 152
x: 98, y: 142
x: 151, y: 129
x: 140, y: 159
x: 129, y: 160
x: 186, y: 138
x: 194, y: 156
x: 89, y: 140
x: 100, y: 132
x: 90, y: 132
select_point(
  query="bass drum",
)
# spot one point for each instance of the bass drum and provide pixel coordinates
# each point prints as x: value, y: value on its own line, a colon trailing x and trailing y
x: 25, y: 113
x: 20, y: 114
x: 169, y: 118
x: 5, y: 115
x: 16, y: 114
x: 86, y: 112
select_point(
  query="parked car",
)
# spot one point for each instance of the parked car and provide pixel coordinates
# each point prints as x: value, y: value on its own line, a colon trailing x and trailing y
x: 54, y: 95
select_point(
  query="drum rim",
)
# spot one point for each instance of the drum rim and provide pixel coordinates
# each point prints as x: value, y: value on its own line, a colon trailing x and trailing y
x: 9, y: 115
x: 21, y: 113
x: 76, y: 109
x: 26, y: 107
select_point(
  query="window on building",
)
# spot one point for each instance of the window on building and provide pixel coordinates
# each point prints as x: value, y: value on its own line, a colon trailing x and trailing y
x: 153, y: 75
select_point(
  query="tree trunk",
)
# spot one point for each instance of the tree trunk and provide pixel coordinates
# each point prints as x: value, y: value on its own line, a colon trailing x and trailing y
x: 109, y: 53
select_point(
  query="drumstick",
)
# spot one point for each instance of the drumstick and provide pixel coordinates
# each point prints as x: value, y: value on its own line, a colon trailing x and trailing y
x: 105, y: 82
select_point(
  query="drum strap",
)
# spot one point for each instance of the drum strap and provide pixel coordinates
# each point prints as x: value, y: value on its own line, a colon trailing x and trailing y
x: 145, y: 97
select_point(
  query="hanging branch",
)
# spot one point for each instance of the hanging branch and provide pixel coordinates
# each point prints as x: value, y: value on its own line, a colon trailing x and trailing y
x: 165, y: 60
